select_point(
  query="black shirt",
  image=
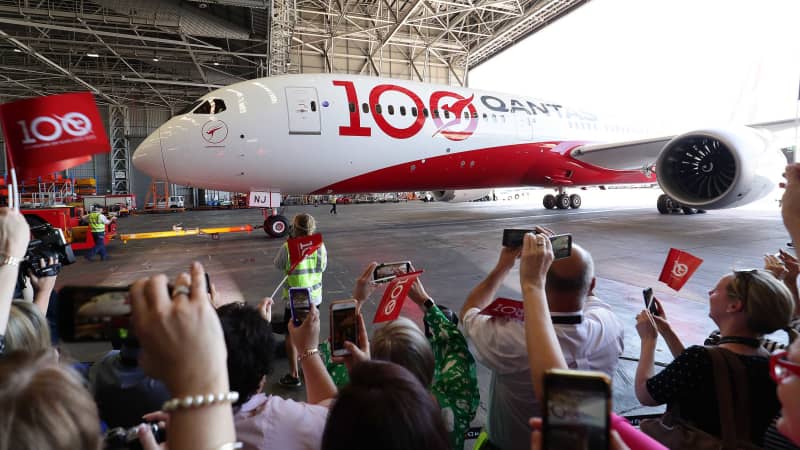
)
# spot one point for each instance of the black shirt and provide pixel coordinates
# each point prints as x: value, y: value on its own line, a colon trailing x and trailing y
x: 688, y: 381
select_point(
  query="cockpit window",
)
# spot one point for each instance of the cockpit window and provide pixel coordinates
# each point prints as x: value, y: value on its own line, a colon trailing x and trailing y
x: 219, y: 105
x: 188, y: 108
x: 204, y: 108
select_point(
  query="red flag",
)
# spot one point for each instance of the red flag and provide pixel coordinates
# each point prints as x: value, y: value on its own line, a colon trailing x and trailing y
x: 302, y: 247
x: 678, y: 268
x: 53, y: 133
x: 394, y: 296
x: 505, y: 307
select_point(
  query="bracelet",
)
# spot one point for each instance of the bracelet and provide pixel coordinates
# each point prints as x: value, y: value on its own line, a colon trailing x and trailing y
x: 230, y: 446
x: 198, y: 401
x: 307, y: 354
x: 8, y: 260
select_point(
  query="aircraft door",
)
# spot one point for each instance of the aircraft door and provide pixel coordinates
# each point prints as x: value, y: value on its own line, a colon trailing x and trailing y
x: 303, y: 109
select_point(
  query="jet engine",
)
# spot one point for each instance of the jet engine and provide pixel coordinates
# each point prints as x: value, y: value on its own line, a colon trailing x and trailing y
x: 720, y: 168
x: 464, y: 195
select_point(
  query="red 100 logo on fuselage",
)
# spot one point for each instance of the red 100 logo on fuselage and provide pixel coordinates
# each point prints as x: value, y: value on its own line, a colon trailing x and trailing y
x: 456, y: 119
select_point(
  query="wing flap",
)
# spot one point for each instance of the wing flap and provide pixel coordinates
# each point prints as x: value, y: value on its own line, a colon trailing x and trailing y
x: 629, y: 155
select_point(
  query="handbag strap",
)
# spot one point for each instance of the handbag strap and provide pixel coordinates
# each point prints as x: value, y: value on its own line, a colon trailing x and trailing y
x: 728, y: 367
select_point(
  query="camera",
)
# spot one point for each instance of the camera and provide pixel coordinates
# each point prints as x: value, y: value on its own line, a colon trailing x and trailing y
x: 46, y: 242
x: 127, y: 439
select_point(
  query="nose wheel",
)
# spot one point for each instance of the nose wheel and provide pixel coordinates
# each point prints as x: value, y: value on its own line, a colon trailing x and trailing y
x: 276, y: 226
x: 562, y: 201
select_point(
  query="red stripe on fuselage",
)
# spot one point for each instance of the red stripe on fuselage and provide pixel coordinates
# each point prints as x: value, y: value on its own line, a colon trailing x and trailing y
x: 528, y: 164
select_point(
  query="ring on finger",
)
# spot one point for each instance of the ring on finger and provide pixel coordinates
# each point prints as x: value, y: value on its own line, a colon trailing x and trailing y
x: 181, y: 290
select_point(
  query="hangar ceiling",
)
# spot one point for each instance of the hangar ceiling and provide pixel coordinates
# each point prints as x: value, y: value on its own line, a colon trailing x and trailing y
x: 164, y: 54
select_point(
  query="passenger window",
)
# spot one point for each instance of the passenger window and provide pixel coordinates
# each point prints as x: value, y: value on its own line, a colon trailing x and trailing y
x: 313, y: 106
x: 425, y: 112
x: 485, y: 116
x: 219, y: 105
x: 352, y: 107
x: 390, y: 108
x: 436, y: 113
x: 503, y: 119
x: 494, y: 118
x: 365, y: 107
x: 204, y: 108
x: 377, y: 109
x: 446, y: 114
x: 466, y: 114
x: 402, y: 110
x: 414, y: 111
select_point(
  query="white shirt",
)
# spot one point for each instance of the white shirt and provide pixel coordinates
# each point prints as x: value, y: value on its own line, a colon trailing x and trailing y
x: 271, y: 422
x: 499, y: 343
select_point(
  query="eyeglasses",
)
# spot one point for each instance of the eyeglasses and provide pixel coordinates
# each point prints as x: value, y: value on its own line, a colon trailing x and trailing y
x: 744, y: 277
x: 781, y: 368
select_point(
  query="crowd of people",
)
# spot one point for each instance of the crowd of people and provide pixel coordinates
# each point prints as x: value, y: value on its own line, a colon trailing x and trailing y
x: 199, y: 369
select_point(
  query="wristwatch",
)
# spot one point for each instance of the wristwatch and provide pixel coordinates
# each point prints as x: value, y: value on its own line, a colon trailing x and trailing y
x: 428, y: 304
x: 8, y: 260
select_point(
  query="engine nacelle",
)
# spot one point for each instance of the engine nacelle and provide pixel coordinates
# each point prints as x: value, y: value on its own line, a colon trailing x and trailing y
x: 720, y: 168
x: 464, y: 195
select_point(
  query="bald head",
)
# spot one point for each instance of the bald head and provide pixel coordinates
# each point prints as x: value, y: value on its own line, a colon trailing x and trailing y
x: 570, y: 280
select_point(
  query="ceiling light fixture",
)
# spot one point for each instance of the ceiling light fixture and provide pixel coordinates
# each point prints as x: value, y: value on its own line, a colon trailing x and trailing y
x: 216, y: 63
x: 155, y: 59
x: 16, y: 50
x: 92, y: 55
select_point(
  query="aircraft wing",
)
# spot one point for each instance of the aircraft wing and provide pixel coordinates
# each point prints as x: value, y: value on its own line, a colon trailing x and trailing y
x: 627, y: 155
x: 640, y: 154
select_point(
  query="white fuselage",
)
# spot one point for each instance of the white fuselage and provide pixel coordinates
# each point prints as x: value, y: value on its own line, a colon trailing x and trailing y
x: 341, y: 133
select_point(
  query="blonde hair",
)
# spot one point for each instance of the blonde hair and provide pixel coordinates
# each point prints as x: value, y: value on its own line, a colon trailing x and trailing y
x: 45, y: 405
x: 27, y: 328
x: 303, y: 225
x: 402, y: 342
x: 768, y: 303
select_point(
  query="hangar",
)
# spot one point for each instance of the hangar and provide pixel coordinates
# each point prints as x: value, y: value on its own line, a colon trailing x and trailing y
x: 146, y: 61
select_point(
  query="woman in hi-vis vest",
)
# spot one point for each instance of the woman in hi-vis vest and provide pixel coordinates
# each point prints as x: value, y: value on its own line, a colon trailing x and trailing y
x: 307, y: 274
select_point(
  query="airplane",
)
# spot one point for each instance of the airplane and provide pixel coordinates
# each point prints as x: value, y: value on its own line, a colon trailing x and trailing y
x: 336, y: 134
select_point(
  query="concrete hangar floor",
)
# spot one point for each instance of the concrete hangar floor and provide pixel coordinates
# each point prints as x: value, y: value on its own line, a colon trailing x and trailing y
x: 457, y: 244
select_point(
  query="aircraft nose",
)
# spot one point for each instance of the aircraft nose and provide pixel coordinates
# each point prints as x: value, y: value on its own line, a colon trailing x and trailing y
x: 149, y: 158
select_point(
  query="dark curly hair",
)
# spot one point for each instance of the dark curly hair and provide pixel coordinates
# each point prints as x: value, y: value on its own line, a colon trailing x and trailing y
x: 251, y: 347
x: 384, y: 407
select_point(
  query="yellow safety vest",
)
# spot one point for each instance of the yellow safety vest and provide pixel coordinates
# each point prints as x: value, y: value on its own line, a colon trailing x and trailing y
x: 307, y: 274
x: 95, y: 224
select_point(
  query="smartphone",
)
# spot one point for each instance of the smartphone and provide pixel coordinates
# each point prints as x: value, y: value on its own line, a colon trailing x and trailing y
x: 93, y: 313
x: 344, y: 326
x: 389, y: 271
x: 208, y: 283
x: 562, y: 243
x: 513, y: 237
x: 299, y: 304
x: 577, y: 408
x: 647, y: 294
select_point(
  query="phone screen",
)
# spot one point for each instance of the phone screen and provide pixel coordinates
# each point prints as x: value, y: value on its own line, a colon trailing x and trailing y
x: 300, y: 303
x: 93, y: 313
x: 389, y: 271
x: 562, y: 245
x: 576, y: 412
x: 343, y: 327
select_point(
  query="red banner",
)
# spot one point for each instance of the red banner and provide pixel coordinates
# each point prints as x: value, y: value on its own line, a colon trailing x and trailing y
x: 505, y: 307
x: 678, y: 268
x: 302, y: 247
x: 394, y: 296
x: 53, y: 133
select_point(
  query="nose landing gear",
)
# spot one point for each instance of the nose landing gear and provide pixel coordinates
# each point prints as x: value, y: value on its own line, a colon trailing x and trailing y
x: 562, y: 200
x: 275, y: 225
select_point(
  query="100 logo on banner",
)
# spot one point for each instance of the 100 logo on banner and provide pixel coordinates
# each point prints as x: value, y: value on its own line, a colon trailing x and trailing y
x: 48, y: 129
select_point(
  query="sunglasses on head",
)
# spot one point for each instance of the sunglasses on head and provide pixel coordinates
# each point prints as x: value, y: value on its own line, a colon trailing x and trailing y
x: 781, y: 368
